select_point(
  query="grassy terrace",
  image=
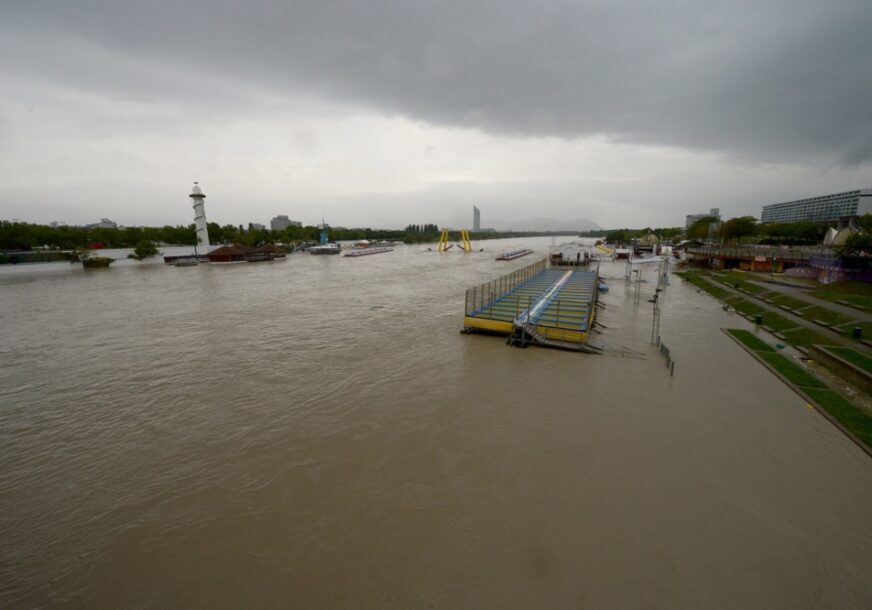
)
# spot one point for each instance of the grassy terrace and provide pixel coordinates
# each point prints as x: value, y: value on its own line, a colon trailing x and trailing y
x: 804, y: 337
x: 793, y: 333
x: 751, y: 340
x: 858, y: 294
x: 697, y: 280
x: 843, y: 410
x: 856, y: 358
x: 788, y: 301
x: 777, y: 322
x: 866, y: 326
x: 733, y: 278
x: 794, y: 373
x: 825, y: 315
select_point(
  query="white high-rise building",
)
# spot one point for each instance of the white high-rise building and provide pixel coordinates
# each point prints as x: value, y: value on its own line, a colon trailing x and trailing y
x: 200, y: 216
x: 826, y: 208
x: 476, y: 219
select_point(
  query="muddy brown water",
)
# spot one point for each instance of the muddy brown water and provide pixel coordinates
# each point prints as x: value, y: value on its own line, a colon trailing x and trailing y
x: 316, y: 433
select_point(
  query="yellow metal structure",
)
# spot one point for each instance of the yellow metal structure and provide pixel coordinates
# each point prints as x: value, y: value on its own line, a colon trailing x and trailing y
x: 604, y: 248
x: 443, y: 241
x: 467, y: 245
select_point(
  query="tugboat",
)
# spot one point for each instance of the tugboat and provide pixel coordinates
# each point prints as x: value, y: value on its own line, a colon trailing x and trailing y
x: 325, y: 247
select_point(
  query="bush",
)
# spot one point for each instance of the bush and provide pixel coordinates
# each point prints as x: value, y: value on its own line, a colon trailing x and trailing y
x: 144, y: 249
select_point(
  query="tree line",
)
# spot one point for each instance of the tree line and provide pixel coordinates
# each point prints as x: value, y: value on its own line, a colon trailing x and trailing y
x: 23, y: 236
x: 747, y: 228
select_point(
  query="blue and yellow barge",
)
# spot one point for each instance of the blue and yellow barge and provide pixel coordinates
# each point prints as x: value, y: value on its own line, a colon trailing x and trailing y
x: 536, y: 305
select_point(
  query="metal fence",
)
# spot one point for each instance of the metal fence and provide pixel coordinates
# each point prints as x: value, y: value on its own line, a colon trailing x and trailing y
x: 485, y: 294
x: 670, y: 363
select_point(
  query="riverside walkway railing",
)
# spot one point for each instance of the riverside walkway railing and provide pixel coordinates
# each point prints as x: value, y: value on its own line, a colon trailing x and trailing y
x: 793, y: 254
x: 480, y: 297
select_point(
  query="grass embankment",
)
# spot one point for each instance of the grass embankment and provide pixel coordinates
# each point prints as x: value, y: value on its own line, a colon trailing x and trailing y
x: 751, y: 340
x: 858, y: 294
x: 843, y: 410
x: 794, y: 334
x: 738, y: 279
x: 696, y: 279
x: 856, y: 358
x: 823, y: 314
x: 771, y: 319
x: 786, y: 300
x: 777, y: 322
x: 849, y: 328
x: 804, y: 337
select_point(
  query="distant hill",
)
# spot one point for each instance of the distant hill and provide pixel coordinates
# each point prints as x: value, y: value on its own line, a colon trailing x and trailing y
x: 547, y: 224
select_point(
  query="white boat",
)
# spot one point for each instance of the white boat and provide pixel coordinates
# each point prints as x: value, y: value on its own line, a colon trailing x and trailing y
x: 325, y: 247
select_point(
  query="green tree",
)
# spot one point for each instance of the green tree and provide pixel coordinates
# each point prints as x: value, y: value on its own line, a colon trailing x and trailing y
x: 700, y: 228
x: 619, y: 236
x: 737, y: 228
x: 144, y: 249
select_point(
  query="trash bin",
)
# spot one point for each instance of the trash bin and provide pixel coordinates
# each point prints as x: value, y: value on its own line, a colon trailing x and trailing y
x: 758, y: 319
x: 858, y: 332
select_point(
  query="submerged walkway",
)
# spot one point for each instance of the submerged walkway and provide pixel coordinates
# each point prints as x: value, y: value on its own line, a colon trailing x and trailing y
x: 536, y: 305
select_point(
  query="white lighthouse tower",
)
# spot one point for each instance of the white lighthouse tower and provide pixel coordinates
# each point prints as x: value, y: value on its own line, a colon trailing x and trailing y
x: 200, y: 216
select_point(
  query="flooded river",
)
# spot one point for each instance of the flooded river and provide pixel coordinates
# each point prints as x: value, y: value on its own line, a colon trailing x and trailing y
x: 316, y: 433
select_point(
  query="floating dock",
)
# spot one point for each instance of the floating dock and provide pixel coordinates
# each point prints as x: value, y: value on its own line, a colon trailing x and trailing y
x: 367, y: 251
x: 510, y: 256
x: 536, y: 305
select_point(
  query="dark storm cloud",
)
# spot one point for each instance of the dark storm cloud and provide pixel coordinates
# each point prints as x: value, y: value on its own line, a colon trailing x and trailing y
x: 772, y: 81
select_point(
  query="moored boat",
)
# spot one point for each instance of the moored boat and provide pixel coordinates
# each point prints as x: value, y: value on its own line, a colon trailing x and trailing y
x: 326, y: 246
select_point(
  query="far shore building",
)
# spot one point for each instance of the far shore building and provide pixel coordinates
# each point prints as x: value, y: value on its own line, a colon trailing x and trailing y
x: 476, y: 222
x: 282, y: 222
x: 692, y: 218
x: 104, y: 223
x: 825, y: 208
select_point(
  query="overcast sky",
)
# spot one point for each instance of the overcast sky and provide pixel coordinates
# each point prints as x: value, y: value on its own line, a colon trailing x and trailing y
x: 378, y: 113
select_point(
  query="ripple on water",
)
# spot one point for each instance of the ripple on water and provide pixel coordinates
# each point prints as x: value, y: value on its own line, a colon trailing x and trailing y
x: 318, y: 433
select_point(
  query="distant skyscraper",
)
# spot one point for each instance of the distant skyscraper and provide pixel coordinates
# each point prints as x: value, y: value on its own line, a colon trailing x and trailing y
x: 200, y: 216
x: 476, y: 219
